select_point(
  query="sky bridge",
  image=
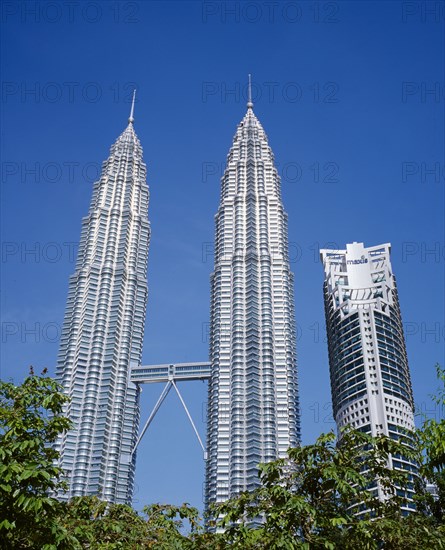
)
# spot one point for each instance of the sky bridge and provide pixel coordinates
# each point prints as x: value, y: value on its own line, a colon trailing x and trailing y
x: 169, y: 374
x: 178, y: 372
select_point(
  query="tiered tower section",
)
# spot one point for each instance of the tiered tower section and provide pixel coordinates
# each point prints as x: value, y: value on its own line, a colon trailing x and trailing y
x: 370, y: 380
x: 253, y: 409
x: 103, y: 329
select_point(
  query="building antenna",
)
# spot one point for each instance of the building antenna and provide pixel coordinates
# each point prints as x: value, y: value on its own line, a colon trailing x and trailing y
x: 249, y: 97
x: 131, y: 119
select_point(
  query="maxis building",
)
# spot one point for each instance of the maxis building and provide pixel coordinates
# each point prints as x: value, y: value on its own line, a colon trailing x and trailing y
x: 370, y: 379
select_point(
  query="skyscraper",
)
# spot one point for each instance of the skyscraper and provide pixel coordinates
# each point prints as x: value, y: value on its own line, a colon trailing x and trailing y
x: 253, y: 409
x: 370, y: 380
x: 103, y: 329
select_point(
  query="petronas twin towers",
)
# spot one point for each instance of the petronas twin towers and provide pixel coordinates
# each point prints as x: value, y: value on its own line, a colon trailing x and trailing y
x: 253, y: 413
x: 253, y: 410
x: 103, y: 329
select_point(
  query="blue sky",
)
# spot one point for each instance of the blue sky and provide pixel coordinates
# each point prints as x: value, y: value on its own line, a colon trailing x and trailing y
x: 351, y: 95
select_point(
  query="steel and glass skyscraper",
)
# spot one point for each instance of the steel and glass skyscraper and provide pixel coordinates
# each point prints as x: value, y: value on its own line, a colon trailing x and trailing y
x: 253, y: 409
x: 103, y: 329
x: 370, y: 380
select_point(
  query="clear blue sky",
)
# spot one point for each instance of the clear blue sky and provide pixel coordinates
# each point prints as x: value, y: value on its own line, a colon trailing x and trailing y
x: 351, y: 95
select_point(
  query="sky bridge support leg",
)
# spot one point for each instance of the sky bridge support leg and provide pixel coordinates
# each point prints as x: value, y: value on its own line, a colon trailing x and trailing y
x: 163, y: 395
x: 190, y: 418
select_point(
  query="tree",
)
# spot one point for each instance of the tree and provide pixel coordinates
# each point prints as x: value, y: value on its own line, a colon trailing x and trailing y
x: 306, y: 501
x: 431, y: 442
x: 30, y: 420
x: 97, y: 525
x: 309, y: 499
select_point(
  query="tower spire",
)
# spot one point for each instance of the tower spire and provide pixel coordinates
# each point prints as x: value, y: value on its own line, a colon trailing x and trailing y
x: 131, y: 119
x: 249, y: 97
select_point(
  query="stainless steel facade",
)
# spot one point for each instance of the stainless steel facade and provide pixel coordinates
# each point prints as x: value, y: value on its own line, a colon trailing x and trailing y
x: 103, y: 329
x: 253, y: 409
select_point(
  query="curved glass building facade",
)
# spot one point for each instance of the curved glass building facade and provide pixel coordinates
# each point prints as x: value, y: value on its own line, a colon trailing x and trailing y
x: 370, y: 379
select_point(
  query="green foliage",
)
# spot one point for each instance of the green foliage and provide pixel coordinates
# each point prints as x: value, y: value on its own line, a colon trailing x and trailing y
x: 433, y: 432
x: 431, y: 442
x: 97, y: 525
x: 30, y: 420
x: 307, y: 501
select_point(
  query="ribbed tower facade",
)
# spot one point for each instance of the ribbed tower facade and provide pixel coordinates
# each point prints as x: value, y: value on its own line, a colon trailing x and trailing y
x: 370, y: 379
x: 103, y: 329
x: 253, y: 410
